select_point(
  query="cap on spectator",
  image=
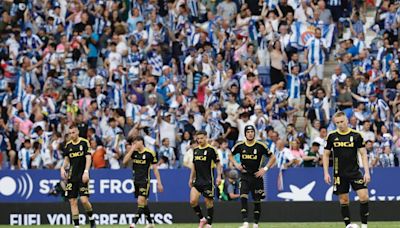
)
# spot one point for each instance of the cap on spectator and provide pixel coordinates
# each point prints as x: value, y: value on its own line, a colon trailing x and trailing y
x: 233, y: 174
x: 167, y: 114
x: 190, y: 49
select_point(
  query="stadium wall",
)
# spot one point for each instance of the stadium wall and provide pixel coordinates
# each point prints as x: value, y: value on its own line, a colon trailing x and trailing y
x: 172, y: 213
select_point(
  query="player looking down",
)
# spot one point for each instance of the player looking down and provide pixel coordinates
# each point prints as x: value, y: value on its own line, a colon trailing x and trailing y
x: 143, y: 159
x: 345, y: 144
x: 201, y: 180
x: 78, y: 159
x: 251, y: 157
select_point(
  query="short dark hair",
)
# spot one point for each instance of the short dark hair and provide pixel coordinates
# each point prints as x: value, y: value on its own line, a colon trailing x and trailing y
x: 73, y: 126
x: 138, y: 138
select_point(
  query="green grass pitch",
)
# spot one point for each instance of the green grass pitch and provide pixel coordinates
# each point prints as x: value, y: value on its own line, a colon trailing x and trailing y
x: 233, y: 225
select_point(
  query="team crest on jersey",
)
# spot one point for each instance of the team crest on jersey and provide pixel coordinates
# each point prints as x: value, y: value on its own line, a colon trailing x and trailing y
x: 255, y: 151
x: 205, y: 152
x: 351, y: 138
x: 243, y: 151
x: 144, y: 157
x: 337, y: 139
x: 80, y: 147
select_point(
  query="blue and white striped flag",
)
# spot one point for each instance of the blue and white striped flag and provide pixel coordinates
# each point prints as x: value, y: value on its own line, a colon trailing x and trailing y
x: 302, y: 32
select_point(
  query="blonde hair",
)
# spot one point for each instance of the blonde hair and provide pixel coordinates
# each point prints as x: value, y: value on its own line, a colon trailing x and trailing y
x: 339, y: 114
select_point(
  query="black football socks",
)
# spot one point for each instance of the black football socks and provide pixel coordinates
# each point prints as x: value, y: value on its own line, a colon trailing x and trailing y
x: 344, y: 208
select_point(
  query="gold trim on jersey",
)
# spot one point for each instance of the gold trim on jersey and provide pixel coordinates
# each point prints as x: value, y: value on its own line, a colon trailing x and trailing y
x: 262, y: 144
x: 336, y: 165
x: 74, y: 143
x: 200, y: 147
x: 248, y: 144
x: 344, y: 133
x: 237, y: 144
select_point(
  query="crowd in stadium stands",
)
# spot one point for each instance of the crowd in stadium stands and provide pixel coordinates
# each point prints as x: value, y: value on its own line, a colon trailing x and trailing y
x: 167, y: 68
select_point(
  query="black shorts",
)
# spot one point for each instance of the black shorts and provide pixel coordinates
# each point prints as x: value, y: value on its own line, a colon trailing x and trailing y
x: 250, y: 183
x: 142, y: 189
x: 73, y: 189
x: 341, y: 185
x: 206, y: 190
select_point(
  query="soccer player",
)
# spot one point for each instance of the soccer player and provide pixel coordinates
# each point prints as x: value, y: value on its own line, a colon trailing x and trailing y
x: 78, y: 158
x: 251, y: 157
x: 143, y: 158
x: 345, y: 144
x: 201, y: 181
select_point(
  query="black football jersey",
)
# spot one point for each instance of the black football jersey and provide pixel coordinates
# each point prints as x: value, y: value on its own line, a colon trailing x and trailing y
x: 76, y: 152
x: 251, y: 155
x: 204, y: 160
x: 345, y: 147
x: 142, y: 162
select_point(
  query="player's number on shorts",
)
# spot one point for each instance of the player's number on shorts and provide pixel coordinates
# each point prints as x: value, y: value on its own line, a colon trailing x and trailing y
x: 337, y: 180
x: 68, y: 187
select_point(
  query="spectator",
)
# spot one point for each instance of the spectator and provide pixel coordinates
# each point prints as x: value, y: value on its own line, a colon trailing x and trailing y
x: 297, y: 153
x: 112, y: 68
x: 312, y: 156
x: 26, y: 155
x: 386, y: 158
x: 284, y: 156
x: 230, y: 187
x: 373, y: 157
x: 98, y: 155
x: 168, y: 152
x: 223, y: 153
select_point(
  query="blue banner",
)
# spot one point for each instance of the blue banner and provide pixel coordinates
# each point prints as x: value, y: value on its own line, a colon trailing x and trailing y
x: 105, y: 186
x: 307, y: 184
x: 299, y: 184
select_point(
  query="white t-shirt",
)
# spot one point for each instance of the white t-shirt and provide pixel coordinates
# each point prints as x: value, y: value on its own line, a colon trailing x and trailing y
x: 168, y: 130
x: 368, y: 135
x: 322, y: 143
x: 232, y: 110
x: 150, y: 142
x: 114, y: 59
x: 241, y: 125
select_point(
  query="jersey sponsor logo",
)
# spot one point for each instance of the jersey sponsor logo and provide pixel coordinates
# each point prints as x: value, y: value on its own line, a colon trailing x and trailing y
x: 343, y: 144
x: 139, y: 161
x: 249, y: 156
x: 359, y: 181
x: 76, y: 154
x: 200, y: 158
